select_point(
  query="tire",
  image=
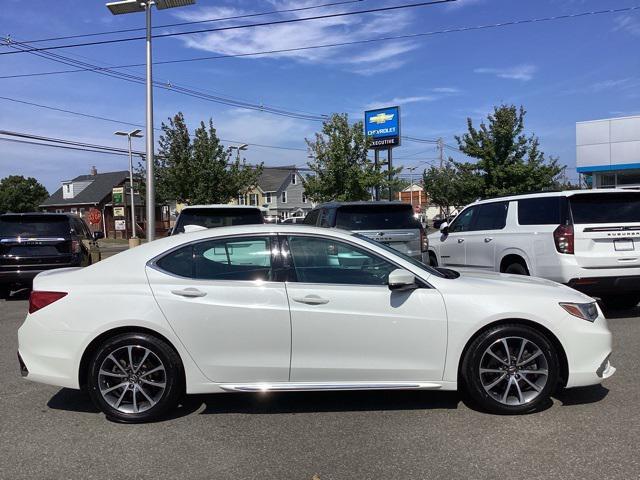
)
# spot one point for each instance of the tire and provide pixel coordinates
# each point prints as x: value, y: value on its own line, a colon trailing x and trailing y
x: 143, y: 393
x: 620, y: 302
x: 433, y: 260
x: 516, y: 269
x: 507, y: 390
x: 5, y: 291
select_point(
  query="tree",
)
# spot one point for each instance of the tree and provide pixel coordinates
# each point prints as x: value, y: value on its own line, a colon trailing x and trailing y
x: 198, y: 169
x: 448, y: 187
x: 508, y: 161
x: 341, y: 169
x: 20, y: 194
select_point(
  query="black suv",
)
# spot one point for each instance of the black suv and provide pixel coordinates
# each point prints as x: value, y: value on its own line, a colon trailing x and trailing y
x: 33, y: 242
x: 392, y: 223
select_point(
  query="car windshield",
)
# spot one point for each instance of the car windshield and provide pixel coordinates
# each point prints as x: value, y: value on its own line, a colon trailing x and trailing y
x: 605, y: 207
x: 34, y: 226
x: 411, y: 260
x: 218, y: 217
x: 376, y: 217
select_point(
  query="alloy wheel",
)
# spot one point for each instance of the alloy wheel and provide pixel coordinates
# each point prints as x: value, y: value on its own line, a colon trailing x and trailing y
x: 132, y: 379
x: 513, y: 370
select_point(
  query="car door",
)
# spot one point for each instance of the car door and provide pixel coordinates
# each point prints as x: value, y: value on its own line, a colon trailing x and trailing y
x: 451, y: 245
x: 347, y: 325
x: 221, y: 298
x: 480, y: 239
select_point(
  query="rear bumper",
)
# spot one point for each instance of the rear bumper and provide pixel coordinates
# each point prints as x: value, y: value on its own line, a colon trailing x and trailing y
x: 26, y: 274
x: 614, y: 285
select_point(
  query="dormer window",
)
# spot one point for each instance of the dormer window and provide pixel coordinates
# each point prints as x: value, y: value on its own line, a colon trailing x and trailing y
x: 294, y: 178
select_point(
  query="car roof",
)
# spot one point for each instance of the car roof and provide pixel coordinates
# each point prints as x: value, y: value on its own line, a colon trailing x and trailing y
x: 366, y: 203
x: 559, y: 193
x: 38, y: 214
x: 223, y: 205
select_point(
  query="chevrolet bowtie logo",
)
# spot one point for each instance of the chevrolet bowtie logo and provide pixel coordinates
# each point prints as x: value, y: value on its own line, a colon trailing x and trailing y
x: 381, y: 118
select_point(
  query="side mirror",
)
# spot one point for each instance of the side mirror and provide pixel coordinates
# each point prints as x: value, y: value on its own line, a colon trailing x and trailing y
x: 97, y: 235
x: 401, y: 280
x: 444, y: 228
x: 169, y: 232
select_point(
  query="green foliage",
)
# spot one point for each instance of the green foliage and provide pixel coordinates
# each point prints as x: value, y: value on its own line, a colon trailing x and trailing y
x: 198, y: 169
x: 508, y: 161
x: 341, y: 169
x: 448, y: 187
x: 19, y: 194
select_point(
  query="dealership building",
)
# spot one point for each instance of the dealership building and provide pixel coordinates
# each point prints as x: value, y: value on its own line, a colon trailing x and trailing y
x: 608, y: 152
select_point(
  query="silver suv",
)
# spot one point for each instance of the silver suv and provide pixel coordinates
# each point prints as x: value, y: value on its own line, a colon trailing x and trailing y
x: 392, y: 223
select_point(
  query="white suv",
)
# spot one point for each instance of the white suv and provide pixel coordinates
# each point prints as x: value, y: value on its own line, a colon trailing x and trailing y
x: 587, y: 239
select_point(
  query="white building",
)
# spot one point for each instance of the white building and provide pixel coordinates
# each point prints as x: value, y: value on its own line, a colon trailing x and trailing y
x: 608, y: 152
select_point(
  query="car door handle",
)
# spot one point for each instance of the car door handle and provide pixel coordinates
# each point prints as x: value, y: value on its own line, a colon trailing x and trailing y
x: 460, y: 240
x: 189, y: 292
x: 487, y: 239
x: 311, y: 300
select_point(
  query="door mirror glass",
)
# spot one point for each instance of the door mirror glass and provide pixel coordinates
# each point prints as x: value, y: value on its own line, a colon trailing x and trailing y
x: 401, y: 280
x: 97, y: 235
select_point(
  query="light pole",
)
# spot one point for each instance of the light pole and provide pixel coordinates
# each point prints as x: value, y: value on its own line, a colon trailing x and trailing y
x: 135, y: 134
x: 134, y: 6
x: 242, y: 147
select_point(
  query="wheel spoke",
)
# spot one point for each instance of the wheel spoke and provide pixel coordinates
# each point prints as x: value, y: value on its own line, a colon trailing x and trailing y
x: 520, y: 397
x: 506, y: 392
x: 533, y: 385
x: 129, y: 348
x: 155, y: 384
x: 530, y: 359
x: 111, y: 389
x: 119, y: 401
x: 496, y: 381
x: 506, y: 348
x: 135, y: 400
x: 113, y: 359
x: 542, y: 371
x: 496, y: 357
x: 112, y: 374
x: 491, y: 370
x: 149, y: 399
x: 158, y: 368
x: 524, y: 342
x: 146, y: 354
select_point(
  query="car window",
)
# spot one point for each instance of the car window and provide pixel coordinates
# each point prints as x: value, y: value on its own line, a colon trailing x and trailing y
x: 320, y: 260
x: 463, y: 222
x: 541, y: 211
x: 491, y: 216
x: 34, y: 226
x: 245, y: 258
x: 376, y: 217
x: 218, y: 217
x: 311, y: 218
x: 605, y: 207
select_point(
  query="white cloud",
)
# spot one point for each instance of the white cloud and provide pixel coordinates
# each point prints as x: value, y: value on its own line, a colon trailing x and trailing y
x: 433, y: 95
x: 628, y: 23
x: 361, y: 58
x: 522, y: 72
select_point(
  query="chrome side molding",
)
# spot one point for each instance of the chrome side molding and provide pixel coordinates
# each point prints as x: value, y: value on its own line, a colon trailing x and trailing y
x: 312, y: 386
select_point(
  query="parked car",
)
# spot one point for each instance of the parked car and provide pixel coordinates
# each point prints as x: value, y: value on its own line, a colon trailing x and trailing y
x: 587, y: 239
x: 440, y: 219
x: 293, y: 221
x: 34, y: 242
x: 392, y: 223
x: 268, y: 308
x: 213, y: 216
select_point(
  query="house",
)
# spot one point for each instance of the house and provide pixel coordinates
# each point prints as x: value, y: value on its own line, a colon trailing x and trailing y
x: 418, y: 198
x: 281, y: 191
x: 94, y: 192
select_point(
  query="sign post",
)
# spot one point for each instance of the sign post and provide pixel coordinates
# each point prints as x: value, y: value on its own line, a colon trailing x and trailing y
x: 382, y: 128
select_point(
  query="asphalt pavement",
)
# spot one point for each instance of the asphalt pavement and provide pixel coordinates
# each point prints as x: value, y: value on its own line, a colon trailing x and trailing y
x: 589, y: 433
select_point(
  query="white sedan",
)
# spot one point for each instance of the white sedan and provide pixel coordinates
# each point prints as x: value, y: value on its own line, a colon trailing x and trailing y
x: 288, y: 308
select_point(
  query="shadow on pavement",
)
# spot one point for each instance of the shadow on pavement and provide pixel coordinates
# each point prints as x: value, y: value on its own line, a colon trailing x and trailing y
x: 582, y: 395
x: 72, y: 401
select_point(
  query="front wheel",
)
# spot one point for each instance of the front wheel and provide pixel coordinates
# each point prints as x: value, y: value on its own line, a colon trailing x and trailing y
x: 510, y: 369
x: 135, y: 377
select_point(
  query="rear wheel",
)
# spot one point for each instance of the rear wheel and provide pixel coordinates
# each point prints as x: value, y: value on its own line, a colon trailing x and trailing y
x: 620, y: 302
x: 433, y: 260
x: 5, y: 291
x: 516, y: 269
x: 510, y: 369
x: 135, y: 377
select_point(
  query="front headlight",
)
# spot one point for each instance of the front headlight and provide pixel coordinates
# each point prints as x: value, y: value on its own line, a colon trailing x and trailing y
x: 585, y: 311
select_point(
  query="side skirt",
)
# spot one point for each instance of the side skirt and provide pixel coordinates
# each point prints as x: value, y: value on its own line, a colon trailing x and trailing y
x: 312, y: 386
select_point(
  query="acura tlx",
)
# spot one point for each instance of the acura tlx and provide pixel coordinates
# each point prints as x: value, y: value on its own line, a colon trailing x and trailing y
x: 263, y: 308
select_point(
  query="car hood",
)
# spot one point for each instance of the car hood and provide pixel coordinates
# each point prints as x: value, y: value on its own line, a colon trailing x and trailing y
x: 506, y: 286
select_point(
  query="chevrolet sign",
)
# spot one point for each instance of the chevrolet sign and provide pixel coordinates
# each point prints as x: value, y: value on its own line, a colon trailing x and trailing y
x: 382, y: 127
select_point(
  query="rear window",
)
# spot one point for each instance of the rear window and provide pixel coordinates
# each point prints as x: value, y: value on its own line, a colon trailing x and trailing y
x: 218, y: 217
x: 378, y: 217
x: 34, y: 226
x: 542, y: 211
x: 605, y: 207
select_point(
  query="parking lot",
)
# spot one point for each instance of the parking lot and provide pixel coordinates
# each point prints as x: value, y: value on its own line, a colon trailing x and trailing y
x: 47, y: 432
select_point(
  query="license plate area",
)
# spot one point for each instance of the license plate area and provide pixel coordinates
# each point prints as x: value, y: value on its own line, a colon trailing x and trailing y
x: 623, y: 245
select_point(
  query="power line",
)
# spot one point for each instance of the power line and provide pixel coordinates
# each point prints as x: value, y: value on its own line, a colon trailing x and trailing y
x: 169, y: 86
x: 209, y: 20
x: 343, y: 44
x: 235, y: 27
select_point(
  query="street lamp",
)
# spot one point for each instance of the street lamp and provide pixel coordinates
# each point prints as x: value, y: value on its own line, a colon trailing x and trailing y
x: 242, y: 147
x: 135, y: 6
x: 134, y: 134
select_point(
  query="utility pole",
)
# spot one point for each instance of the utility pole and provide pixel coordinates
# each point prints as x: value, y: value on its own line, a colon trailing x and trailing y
x: 390, y: 171
x: 441, y: 152
x: 376, y: 156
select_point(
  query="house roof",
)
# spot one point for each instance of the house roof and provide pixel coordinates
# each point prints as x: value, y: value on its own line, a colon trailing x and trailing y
x: 271, y: 179
x: 99, y: 188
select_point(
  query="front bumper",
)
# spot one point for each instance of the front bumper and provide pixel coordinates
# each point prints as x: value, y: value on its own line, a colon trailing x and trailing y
x: 614, y: 285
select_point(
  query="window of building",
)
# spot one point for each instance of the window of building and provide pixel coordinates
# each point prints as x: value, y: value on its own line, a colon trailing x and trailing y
x: 253, y: 199
x: 74, y: 211
x: 294, y: 178
x: 267, y: 197
x: 242, y: 200
x: 319, y: 260
x: 284, y: 197
x: 304, y: 198
x: 608, y: 180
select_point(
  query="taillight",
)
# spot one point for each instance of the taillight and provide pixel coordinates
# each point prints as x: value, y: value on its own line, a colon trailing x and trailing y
x: 75, y: 246
x: 424, y: 241
x: 38, y: 300
x: 563, y: 237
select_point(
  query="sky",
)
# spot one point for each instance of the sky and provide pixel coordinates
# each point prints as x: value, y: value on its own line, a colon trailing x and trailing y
x: 562, y: 72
